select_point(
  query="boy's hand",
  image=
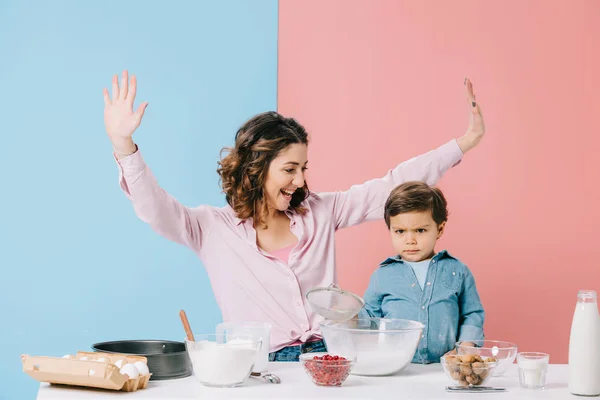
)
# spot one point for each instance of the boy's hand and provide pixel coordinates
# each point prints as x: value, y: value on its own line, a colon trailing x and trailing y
x: 453, y: 351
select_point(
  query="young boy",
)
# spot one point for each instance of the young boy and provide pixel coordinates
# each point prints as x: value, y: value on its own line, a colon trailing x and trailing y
x: 419, y: 284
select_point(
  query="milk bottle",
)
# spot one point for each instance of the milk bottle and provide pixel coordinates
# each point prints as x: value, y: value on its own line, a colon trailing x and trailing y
x: 584, y: 346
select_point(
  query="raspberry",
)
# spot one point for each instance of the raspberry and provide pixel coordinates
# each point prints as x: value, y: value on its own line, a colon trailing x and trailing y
x: 328, y: 370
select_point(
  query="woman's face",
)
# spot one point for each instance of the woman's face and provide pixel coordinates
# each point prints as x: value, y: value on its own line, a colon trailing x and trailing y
x: 285, y: 175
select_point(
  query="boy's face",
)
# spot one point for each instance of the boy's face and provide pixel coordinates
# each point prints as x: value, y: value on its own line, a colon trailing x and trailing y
x: 414, y: 235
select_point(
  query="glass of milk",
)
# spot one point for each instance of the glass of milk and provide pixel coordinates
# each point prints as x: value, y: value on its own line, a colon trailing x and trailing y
x: 532, y: 369
x: 257, y: 330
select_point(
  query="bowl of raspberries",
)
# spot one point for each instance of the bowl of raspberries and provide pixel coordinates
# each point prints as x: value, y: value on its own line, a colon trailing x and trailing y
x: 326, y: 369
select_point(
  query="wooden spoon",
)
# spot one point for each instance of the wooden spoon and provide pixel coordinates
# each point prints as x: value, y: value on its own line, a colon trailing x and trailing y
x: 186, y: 326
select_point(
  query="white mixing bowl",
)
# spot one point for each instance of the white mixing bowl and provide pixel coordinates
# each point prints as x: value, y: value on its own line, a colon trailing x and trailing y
x: 382, y: 346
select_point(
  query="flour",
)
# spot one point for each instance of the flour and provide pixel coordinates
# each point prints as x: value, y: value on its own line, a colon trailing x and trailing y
x: 227, y: 364
x: 380, y: 362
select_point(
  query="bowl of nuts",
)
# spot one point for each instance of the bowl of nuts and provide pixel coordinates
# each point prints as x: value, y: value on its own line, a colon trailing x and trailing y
x: 504, y: 352
x: 325, y: 369
x: 468, y: 369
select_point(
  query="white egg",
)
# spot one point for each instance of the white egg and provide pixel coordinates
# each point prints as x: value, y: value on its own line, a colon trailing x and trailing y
x: 84, y: 358
x: 118, y: 363
x: 130, y: 370
x: 101, y: 360
x: 142, y: 367
x: 67, y: 356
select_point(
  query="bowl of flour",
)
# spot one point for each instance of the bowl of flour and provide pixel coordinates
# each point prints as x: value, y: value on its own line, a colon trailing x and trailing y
x: 218, y: 360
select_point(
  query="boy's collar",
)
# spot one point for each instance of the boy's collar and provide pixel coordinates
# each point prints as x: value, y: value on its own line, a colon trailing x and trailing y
x: 397, y: 259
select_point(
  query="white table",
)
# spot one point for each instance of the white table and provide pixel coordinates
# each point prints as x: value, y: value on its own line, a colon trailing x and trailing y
x: 415, y: 382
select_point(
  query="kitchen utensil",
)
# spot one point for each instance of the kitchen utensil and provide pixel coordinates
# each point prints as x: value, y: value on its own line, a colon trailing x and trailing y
x: 504, y: 352
x: 326, y: 372
x: 186, y: 325
x: 474, y: 389
x: 256, y: 329
x: 166, y: 359
x: 468, y: 370
x: 267, y: 376
x: 220, y: 361
x: 333, y: 303
x: 381, y: 346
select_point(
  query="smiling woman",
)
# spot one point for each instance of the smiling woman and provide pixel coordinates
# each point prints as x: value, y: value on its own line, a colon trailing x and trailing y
x: 268, y: 151
x: 263, y: 176
x: 270, y: 209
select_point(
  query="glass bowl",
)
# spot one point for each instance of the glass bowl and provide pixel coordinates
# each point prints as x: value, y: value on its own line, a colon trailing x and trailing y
x: 504, y: 352
x: 468, y: 369
x: 382, y: 346
x: 218, y: 360
x: 327, y: 369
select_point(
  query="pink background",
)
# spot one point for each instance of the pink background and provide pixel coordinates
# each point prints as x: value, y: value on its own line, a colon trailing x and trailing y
x: 381, y: 81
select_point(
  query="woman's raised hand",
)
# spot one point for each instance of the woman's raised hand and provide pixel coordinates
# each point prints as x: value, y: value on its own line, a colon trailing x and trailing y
x: 119, y: 118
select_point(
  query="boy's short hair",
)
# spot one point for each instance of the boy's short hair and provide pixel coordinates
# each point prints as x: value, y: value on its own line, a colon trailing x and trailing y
x: 416, y: 196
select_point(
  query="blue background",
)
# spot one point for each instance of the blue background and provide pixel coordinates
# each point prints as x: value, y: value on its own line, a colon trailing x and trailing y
x: 78, y: 266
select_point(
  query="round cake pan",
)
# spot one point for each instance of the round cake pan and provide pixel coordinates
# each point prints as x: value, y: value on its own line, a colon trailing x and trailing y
x: 166, y: 359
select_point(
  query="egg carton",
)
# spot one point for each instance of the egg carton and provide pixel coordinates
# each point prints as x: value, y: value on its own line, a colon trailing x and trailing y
x: 89, y: 369
x: 132, y: 384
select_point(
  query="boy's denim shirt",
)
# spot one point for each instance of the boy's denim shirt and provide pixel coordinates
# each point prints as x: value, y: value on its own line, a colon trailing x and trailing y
x: 448, y: 306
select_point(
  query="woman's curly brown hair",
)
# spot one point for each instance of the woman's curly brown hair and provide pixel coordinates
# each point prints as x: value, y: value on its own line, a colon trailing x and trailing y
x: 243, y: 170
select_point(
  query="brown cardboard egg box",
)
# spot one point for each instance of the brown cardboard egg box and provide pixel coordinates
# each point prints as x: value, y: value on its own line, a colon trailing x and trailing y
x: 89, y: 372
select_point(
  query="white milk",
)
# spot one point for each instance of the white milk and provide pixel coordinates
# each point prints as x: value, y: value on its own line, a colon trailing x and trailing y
x: 532, y: 372
x: 222, y: 364
x: 584, y: 346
